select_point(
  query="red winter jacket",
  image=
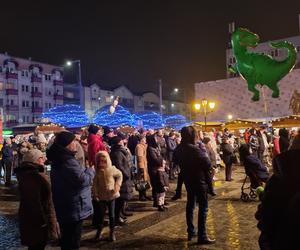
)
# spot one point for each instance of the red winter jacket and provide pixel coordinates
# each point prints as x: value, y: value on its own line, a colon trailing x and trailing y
x: 95, y: 144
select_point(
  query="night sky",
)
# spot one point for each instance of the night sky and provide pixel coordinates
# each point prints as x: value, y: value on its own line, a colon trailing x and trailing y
x: 138, y: 42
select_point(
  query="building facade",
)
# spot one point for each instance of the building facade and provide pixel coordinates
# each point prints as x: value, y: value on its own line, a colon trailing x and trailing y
x: 27, y: 89
x: 95, y: 98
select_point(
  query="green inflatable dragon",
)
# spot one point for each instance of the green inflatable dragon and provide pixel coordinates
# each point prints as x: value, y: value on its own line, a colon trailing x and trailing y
x: 259, y: 68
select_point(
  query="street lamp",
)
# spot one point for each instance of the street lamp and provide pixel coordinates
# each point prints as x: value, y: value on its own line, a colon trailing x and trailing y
x: 69, y: 64
x: 229, y: 117
x: 207, y: 107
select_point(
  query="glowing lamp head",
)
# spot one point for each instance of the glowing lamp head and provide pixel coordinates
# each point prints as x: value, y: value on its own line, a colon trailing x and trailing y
x: 176, y: 90
x: 212, y: 105
x: 229, y: 117
x: 197, y: 106
x: 69, y: 63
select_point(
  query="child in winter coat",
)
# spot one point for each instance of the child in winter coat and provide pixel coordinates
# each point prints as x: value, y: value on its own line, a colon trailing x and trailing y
x: 105, y: 190
x: 162, y: 185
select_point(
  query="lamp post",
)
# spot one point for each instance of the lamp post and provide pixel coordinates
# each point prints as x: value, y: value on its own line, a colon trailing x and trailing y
x: 207, y: 107
x: 69, y: 64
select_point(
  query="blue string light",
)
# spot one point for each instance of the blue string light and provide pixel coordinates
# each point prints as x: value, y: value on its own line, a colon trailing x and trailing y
x: 120, y: 117
x: 176, y: 121
x: 149, y: 119
x: 74, y: 116
x: 69, y: 115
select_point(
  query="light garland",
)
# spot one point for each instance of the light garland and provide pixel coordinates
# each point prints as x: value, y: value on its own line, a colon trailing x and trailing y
x: 149, y: 119
x: 119, y: 117
x: 176, y: 121
x: 68, y: 115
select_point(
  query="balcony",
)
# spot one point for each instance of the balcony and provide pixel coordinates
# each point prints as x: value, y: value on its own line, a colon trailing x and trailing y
x: 11, y: 123
x: 58, y: 97
x: 36, y: 94
x: 11, y: 91
x: 11, y: 75
x: 12, y: 108
x: 58, y: 82
x: 36, y: 79
x: 37, y: 110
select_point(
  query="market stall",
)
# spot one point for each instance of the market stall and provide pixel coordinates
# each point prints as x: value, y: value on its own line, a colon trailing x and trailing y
x: 292, y: 121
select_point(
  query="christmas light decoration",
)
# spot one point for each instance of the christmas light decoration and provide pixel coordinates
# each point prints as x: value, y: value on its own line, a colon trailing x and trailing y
x: 119, y: 117
x: 68, y: 115
x: 176, y: 121
x: 149, y: 119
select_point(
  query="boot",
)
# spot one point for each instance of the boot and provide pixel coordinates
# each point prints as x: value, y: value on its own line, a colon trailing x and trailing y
x: 142, y: 196
x: 176, y: 197
x: 112, y: 235
x: 98, y: 234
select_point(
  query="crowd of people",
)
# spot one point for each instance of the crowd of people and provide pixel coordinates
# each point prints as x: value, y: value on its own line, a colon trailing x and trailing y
x: 97, y: 169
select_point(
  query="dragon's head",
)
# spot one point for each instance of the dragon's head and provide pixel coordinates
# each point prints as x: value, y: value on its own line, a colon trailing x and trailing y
x: 244, y: 37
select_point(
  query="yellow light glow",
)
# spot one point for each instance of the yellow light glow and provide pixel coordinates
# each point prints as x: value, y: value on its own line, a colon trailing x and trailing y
x: 197, y: 106
x: 229, y: 117
x: 212, y: 105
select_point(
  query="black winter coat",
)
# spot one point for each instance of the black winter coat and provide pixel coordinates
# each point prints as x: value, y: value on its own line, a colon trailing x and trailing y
x: 162, y: 181
x: 119, y: 158
x: 227, y: 150
x: 154, y: 159
x: 194, y: 166
x: 171, y: 145
x: 278, y: 214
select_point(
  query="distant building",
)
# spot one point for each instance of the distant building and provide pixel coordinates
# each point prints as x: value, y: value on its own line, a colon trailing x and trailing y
x: 95, y: 98
x: 27, y: 88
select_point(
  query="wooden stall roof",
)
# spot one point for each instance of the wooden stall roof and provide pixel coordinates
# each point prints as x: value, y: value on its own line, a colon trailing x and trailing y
x: 209, y: 125
x: 241, y: 124
x: 286, y: 121
x: 31, y: 128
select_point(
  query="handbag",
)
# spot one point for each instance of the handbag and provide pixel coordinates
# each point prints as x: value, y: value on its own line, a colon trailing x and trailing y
x: 142, y: 185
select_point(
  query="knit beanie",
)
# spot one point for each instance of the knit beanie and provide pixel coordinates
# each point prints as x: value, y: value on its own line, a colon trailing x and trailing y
x: 64, y: 138
x: 32, y: 155
x: 115, y: 140
x: 93, y: 129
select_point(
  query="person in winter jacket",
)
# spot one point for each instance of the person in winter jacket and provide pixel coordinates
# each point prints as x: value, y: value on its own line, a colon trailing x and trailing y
x: 284, y: 141
x: 95, y: 144
x: 120, y: 159
x: 255, y: 169
x: 162, y: 185
x: 227, y: 156
x: 142, y: 165
x: 171, y: 145
x: 7, y: 160
x: 155, y: 161
x: 276, y: 147
x: 105, y: 190
x: 71, y: 189
x: 278, y: 213
x: 37, y: 218
x: 195, y: 169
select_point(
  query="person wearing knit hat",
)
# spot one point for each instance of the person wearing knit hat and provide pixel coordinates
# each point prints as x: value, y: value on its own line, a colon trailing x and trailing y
x: 64, y: 138
x: 36, y: 203
x: 33, y: 156
x: 93, y: 129
x: 71, y: 187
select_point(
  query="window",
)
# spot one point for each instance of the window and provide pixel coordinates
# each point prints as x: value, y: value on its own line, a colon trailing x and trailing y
x: 32, y: 104
x: 11, y: 102
x: 46, y: 105
x: 1, y: 102
x: 27, y: 104
x: 49, y: 105
x: 23, y: 88
x: 36, y: 104
x: 276, y: 52
x: 24, y: 118
x: 23, y: 103
x: 27, y: 88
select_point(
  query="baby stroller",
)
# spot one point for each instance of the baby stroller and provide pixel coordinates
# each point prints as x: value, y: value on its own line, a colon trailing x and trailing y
x: 256, y: 173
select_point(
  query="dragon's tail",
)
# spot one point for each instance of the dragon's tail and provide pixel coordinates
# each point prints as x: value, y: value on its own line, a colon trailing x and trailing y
x: 292, y: 52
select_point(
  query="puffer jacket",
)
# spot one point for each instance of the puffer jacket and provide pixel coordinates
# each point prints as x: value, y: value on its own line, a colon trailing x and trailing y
x: 104, y: 183
x: 71, y: 185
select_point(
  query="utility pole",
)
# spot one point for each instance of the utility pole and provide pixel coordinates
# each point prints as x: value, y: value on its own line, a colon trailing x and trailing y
x: 160, y: 97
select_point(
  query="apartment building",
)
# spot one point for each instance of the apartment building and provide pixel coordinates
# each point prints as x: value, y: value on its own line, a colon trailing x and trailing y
x: 27, y: 88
